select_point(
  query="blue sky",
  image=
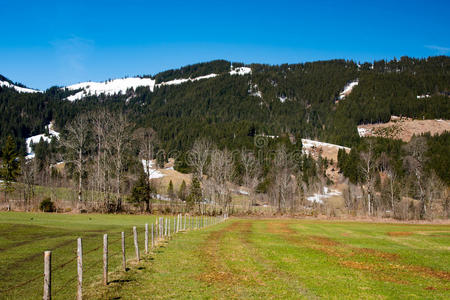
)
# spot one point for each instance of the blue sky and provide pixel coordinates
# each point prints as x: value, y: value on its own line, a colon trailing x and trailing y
x: 45, y: 43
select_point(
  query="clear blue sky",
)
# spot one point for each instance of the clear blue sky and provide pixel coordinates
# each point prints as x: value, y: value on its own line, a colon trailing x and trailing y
x: 45, y: 43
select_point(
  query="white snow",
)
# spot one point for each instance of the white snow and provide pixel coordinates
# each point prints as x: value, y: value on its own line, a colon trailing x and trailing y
x: 153, y: 173
x: 257, y: 94
x: 269, y: 136
x: 254, y: 91
x: 109, y: 87
x: 240, y: 71
x: 348, y: 89
x: 308, y: 144
x: 161, y: 197
x: 37, y: 138
x: 18, y: 88
x: 242, y: 192
x: 423, y: 96
x: 282, y: 99
x: 327, y: 193
x: 116, y: 86
x: 363, y: 131
x: 183, y: 80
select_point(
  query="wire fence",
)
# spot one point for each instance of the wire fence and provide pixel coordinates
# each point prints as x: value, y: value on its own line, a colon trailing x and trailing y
x: 66, y: 278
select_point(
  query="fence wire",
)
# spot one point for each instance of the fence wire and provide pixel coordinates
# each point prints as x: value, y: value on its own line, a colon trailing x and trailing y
x: 94, y: 265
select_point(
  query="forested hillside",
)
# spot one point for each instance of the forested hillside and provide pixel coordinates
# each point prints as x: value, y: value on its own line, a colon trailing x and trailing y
x: 298, y: 99
x: 227, y: 106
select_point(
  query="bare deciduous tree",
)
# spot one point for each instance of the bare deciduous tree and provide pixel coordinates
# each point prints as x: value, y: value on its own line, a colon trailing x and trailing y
x: 367, y: 168
x: 284, y: 180
x: 415, y: 164
x: 27, y: 177
x: 101, y: 123
x: 146, y: 137
x: 119, y: 139
x: 76, y: 143
x: 221, y: 172
x: 198, y: 156
x: 252, y: 172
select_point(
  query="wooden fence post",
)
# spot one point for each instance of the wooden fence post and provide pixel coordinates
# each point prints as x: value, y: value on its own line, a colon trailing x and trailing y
x: 165, y: 229
x: 174, y: 225
x: 105, y: 259
x: 146, y: 238
x: 136, y: 245
x: 47, y: 275
x: 124, y: 258
x: 153, y: 241
x: 80, y: 269
x: 168, y: 227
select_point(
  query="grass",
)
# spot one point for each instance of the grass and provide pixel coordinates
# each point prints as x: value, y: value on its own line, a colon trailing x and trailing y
x: 240, y: 259
x: 25, y: 236
x: 292, y: 259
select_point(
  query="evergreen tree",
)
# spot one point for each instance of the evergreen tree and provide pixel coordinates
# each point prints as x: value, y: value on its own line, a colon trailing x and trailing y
x: 182, y: 193
x: 195, y: 193
x: 141, y: 192
x: 10, y: 167
x: 170, y: 191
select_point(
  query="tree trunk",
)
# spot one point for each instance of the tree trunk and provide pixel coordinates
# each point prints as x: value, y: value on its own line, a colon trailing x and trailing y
x: 80, y: 169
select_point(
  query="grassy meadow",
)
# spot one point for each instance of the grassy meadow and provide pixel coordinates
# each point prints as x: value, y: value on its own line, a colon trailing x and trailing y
x: 25, y: 236
x: 236, y: 259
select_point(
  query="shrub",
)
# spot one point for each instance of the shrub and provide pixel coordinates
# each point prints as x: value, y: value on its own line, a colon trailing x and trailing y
x: 47, y: 205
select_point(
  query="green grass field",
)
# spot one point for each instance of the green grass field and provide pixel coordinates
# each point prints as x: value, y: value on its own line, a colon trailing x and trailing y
x: 25, y: 236
x: 243, y: 259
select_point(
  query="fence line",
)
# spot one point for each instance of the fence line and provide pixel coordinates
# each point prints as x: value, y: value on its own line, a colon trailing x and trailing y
x: 161, y: 231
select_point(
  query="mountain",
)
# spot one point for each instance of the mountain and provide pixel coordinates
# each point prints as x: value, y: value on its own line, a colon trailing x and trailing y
x: 232, y: 102
x: 5, y: 82
x: 121, y: 86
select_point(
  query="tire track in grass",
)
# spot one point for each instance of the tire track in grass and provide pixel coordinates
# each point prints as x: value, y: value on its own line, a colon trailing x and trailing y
x: 209, y: 253
x: 248, y: 272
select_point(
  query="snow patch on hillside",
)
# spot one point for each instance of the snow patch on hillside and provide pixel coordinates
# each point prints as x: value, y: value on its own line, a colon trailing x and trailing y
x: 108, y: 87
x: 183, y: 80
x: 116, y: 86
x: 18, y: 88
x: 240, y: 71
x: 153, y: 172
x: 254, y: 91
x: 362, y: 132
x: 348, y: 89
x: 309, y: 144
x: 327, y: 193
x: 37, y: 138
x: 282, y: 99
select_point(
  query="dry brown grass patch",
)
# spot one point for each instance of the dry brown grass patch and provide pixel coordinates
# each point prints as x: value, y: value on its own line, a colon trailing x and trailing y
x: 356, y: 265
x: 324, y: 241
x: 217, y: 269
x: 376, y: 253
x: 399, y: 233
